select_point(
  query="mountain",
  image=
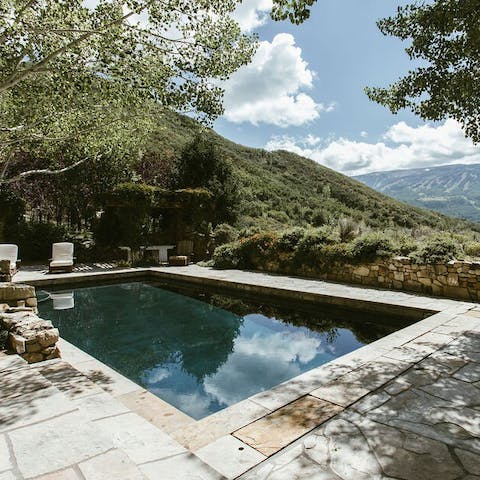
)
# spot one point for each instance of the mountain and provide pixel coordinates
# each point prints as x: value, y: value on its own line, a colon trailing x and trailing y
x: 281, y: 189
x: 451, y: 189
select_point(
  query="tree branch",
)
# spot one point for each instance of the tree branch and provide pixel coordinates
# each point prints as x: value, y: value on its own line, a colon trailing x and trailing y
x: 17, y: 77
x: 41, y: 171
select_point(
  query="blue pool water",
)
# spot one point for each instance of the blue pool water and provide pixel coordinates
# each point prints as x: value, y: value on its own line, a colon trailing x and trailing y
x: 202, y: 352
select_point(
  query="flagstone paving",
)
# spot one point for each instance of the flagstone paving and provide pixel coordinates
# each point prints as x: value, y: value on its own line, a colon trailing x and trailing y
x: 404, y: 407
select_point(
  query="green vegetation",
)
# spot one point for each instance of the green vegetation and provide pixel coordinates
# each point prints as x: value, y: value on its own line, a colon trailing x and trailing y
x: 249, y: 191
x: 321, y: 248
x: 444, y: 82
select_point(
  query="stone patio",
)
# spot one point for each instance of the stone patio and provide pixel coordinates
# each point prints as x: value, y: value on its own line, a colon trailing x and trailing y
x: 404, y: 407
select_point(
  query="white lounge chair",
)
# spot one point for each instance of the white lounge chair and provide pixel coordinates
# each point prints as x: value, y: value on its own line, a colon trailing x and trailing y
x: 62, y: 257
x: 9, y: 252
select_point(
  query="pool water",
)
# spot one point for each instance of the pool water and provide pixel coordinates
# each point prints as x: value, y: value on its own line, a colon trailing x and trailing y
x: 202, y: 351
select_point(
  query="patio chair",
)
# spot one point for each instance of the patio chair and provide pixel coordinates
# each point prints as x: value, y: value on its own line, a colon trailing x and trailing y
x: 62, y: 257
x: 183, y: 253
x: 9, y: 252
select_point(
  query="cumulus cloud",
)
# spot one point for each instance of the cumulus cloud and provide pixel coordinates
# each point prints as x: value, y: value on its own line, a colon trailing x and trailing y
x: 270, y: 88
x: 262, y: 361
x: 251, y: 14
x: 402, y: 146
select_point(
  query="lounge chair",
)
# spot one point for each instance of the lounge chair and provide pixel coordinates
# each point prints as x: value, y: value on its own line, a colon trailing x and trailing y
x: 9, y: 252
x: 62, y: 257
x: 183, y: 253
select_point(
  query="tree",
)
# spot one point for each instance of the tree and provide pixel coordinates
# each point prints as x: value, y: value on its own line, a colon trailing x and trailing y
x: 72, y: 73
x: 445, y: 43
x: 202, y: 166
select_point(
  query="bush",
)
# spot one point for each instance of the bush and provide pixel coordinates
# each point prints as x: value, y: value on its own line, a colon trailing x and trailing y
x: 348, y: 229
x: 309, y: 247
x: 472, y: 249
x: 258, y: 249
x: 406, y: 245
x: 224, y: 233
x: 315, y: 238
x: 34, y: 239
x: 319, y: 217
x: 126, y: 219
x: 289, y: 240
x: 440, y: 249
x: 12, y: 209
x: 227, y: 256
x: 370, y: 246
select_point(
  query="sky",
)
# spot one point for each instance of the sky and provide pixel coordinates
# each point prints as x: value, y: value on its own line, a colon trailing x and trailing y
x: 304, y: 92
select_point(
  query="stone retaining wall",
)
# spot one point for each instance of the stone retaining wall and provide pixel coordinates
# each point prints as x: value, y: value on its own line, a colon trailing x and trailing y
x: 456, y: 279
x: 33, y: 338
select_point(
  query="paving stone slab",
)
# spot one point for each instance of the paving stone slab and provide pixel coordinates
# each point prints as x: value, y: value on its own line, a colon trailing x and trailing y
x: 468, y: 373
x: 68, y: 474
x: 230, y: 456
x: 8, y: 476
x: 156, y: 411
x: 278, y: 429
x: 110, y: 465
x: 56, y: 443
x: 139, y: 439
x: 351, y: 387
x: 31, y: 408
x: 198, y: 434
x: 5, y: 460
x: 100, y: 405
x: 185, y: 466
x: 68, y: 379
x: 107, y: 378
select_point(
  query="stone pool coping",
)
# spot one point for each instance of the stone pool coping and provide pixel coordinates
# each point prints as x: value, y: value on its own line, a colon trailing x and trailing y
x: 247, y: 433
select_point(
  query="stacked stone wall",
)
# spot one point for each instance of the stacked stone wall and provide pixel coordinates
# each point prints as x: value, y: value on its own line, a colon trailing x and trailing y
x: 33, y: 338
x: 455, y: 279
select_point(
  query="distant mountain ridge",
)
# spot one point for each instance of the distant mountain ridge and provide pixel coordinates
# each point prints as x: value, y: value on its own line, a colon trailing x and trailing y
x: 450, y: 189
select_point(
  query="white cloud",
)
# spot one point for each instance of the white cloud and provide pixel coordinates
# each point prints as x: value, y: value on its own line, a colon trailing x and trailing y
x: 275, y: 356
x: 402, y: 146
x: 251, y: 14
x: 269, y: 89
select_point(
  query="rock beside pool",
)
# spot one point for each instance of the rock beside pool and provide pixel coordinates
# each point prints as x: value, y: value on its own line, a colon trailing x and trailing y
x: 17, y: 295
x: 33, y: 338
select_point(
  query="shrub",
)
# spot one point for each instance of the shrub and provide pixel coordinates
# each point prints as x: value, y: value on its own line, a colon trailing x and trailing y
x: 348, y: 229
x: 227, y: 256
x: 12, y: 209
x: 370, y: 246
x: 440, y: 249
x: 406, y: 245
x: 308, y: 250
x: 224, y: 233
x: 34, y: 239
x: 279, y: 216
x: 472, y: 249
x: 335, y: 253
x: 319, y: 217
x: 314, y: 238
x: 258, y: 249
x: 289, y: 240
x: 126, y: 219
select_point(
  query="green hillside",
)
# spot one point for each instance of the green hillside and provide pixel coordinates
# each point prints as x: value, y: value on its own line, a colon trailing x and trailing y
x: 281, y: 189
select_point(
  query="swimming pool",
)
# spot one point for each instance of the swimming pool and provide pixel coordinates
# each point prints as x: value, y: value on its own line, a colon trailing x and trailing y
x: 201, y: 350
